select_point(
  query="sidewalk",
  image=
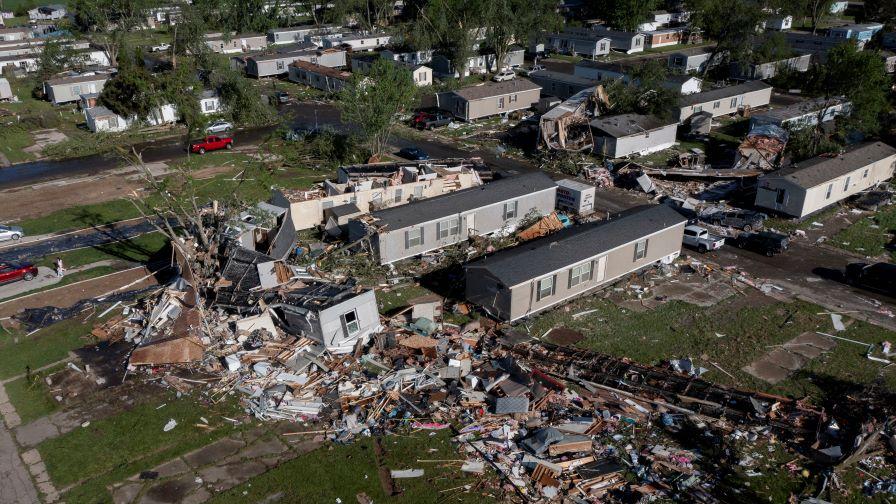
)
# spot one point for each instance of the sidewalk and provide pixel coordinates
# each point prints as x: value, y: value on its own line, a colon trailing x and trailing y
x: 68, y: 295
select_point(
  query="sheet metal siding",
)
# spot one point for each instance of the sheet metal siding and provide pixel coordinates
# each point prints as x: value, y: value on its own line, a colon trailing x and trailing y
x: 332, y: 331
x: 485, y: 220
x: 620, y: 261
x: 489, y: 106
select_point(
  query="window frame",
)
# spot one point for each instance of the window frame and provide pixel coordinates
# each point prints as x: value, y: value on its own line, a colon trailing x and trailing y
x: 413, y: 242
x: 641, y: 249
x: 581, y: 276
x: 540, y: 287
x: 830, y: 190
x: 448, y: 228
x: 347, y: 325
x: 508, y: 213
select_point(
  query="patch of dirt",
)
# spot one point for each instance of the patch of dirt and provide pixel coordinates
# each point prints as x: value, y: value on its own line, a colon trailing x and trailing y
x: 212, y: 171
x: 35, y: 201
x: 43, y: 138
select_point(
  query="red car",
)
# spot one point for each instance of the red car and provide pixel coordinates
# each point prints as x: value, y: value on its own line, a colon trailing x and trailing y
x: 211, y: 143
x: 10, y: 272
x: 420, y: 118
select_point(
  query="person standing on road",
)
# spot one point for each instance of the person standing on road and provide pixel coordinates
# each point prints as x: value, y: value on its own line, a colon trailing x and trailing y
x: 60, y: 268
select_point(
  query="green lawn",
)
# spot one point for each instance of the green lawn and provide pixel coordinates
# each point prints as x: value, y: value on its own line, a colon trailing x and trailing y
x: 12, y: 140
x: 32, y: 399
x: 115, y: 448
x: 785, y: 225
x: 342, y: 472
x: 136, y: 250
x: 869, y: 236
x: 677, y: 329
x: 49, y: 344
x: 80, y: 217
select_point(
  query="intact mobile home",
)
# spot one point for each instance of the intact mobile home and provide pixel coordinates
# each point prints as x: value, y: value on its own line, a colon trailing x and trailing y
x: 518, y: 282
x: 811, y: 185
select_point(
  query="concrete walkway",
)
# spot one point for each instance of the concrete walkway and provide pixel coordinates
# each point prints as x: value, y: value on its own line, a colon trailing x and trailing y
x: 45, y: 278
x: 16, y: 485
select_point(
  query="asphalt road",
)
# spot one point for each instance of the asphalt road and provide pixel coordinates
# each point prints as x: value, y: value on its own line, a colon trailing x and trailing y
x: 91, y: 237
x: 296, y: 115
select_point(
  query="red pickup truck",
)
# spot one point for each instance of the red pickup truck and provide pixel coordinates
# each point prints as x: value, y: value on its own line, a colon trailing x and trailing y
x: 210, y: 143
x: 10, y: 272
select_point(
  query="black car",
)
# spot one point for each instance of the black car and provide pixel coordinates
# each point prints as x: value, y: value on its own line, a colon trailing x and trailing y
x: 879, y: 276
x: 764, y: 242
x: 741, y: 219
x: 414, y: 154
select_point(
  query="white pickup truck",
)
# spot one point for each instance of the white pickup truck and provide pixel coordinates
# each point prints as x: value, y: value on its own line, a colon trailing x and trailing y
x: 700, y: 239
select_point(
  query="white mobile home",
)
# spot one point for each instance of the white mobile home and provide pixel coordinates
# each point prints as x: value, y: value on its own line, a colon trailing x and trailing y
x: 725, y: 101
x: 812, y: 185
x: 631, y: 134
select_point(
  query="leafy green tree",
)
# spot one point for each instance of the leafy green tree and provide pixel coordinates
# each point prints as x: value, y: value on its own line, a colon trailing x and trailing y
x: 816, y: 11
x: 241, y: 97
x: 624, y: 14
x: 247, y: 16
x: 181, y: 88
x: 883, y: 11
x: 861, y: 77
x: 731, y: 25
x: 373, y: 102
x: 131, y: 92
x: 449, y: 26
x: 56, y: 57
x: 368, y: 14
x: 644, y: 93
x: 508, y: 21
x: 107, y: 22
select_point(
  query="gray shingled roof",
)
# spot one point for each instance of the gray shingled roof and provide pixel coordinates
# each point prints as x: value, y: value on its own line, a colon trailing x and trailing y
x: 628, y: 124
x: 490, y: 89
x: 79, y: 78
x: 818, y: 170
x: 576, y: 244
x: 561, y: 77
x: 431, y: 209
x: 722, y: 93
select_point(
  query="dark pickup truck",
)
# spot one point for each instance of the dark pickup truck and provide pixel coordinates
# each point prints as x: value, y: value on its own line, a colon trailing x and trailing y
x: 430, y: 121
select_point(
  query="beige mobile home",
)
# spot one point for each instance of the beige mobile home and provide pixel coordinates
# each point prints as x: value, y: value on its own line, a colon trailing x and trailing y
x: 811, y: 185
x: 491, y: 98
x: 431, y: 224
x: 518, y: 282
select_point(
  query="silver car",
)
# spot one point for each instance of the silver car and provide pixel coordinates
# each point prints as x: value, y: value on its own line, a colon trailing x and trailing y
x: 219, y: 127
x: 10, y: 233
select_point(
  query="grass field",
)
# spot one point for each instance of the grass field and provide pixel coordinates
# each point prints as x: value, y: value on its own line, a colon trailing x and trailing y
x: 340, y: 473
x: 114, y: 448
x: 47, y: 345
x: 869, y: 236
x: 32, y: 399
x: 732, y: 334
x: 136, y: 250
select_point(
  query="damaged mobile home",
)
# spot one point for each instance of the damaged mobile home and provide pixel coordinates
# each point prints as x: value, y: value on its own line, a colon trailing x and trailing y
x: 431, y: 224
x: 377, y: 186
x: 567, y: 126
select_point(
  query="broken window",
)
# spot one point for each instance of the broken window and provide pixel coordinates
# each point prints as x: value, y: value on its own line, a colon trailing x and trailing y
x: 413, y: 238
x: 449, y: 227
x: 641, y: 250
x: 780, y: 196
x: 716, y: 105
x: 418, y: 191
x: 546, y: 287
x: 827, y: 195
x: 579, y: 274
x: 350, y: 323
x: 398, y: 194
x: 733, y: 103
x: 846, y: 185
x: 510, y: 210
